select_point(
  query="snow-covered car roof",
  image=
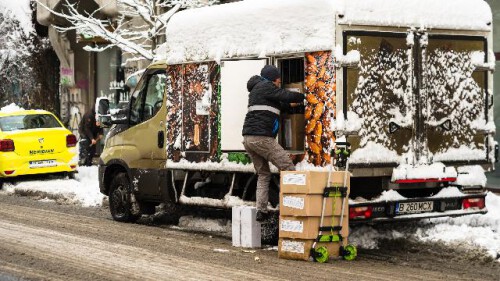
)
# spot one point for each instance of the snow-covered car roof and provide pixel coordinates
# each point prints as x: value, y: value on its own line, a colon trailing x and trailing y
x: 263, y: 27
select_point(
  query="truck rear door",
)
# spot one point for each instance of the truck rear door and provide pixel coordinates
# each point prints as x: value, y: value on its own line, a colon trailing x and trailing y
x: 454, y: 98
x: 416, y: 98
x: 378, y: 98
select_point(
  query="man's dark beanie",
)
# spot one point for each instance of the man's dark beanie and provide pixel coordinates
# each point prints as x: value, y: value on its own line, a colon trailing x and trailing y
x: 270, y: 72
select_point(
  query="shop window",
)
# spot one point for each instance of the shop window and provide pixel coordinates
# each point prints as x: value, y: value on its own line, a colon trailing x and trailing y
x: 291, y: 136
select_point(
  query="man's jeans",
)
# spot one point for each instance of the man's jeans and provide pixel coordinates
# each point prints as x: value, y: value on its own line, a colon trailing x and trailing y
x: 87, y: 152
x: 263, y: 150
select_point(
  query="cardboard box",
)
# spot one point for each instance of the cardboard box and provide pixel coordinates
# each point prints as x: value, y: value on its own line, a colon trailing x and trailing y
x: 246, y: 231
x: 310, y: 205
x: 308, y: 227
x: 300, y: 249
x: 311, y: 182
x: 293, y: 131
x: 295, y: 87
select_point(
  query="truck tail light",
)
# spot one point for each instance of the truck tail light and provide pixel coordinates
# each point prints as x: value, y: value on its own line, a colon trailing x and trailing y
x: 360, y: 212
x: 9, y: 172
x: 478, y: 203
x: 7, y: 145
x: 71, y: 140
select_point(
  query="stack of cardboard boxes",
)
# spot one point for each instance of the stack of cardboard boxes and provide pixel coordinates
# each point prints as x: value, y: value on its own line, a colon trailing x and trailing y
x: 301, y: 203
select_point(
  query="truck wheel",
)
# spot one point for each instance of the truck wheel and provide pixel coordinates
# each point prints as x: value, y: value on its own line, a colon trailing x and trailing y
x: 1, y: 184
x: 270, y: 230
x: 119, y: 199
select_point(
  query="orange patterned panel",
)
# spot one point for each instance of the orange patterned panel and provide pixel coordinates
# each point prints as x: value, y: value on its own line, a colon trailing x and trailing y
x: 320, y: 106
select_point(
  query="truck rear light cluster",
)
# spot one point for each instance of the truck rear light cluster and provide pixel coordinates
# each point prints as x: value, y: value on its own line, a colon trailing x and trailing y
x: 71, y: 140
x: 426, y: 180
x: 360, y: 212
x: 7, y: 145
x: 469, y: 203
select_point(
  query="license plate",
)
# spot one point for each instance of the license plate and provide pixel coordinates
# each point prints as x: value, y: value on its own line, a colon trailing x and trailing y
x: 414, y: 207
x: 42, y: 164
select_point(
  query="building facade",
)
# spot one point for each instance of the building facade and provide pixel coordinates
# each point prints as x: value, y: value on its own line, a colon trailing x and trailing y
x: 84, y: 75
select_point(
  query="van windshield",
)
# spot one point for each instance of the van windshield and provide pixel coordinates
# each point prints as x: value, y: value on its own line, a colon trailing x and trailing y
x: 29, y: 121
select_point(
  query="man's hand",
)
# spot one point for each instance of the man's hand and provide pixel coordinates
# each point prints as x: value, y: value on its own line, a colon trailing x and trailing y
x: 94, y: 141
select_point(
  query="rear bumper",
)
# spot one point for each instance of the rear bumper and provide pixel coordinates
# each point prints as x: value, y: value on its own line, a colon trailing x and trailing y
x: 442, y: 207
x: 20, y: 166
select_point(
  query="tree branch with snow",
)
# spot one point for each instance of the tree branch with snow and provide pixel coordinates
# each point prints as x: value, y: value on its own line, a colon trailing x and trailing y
x: 136, y: 30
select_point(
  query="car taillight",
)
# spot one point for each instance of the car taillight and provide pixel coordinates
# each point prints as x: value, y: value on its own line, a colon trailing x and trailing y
x: 70, y: 140
x: 9, y: 172
x: 473, y: 203
x: 360, y: 212
x: 7, y: 145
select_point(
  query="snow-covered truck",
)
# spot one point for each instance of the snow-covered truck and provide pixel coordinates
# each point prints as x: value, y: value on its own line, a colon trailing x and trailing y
x: 407, y: 83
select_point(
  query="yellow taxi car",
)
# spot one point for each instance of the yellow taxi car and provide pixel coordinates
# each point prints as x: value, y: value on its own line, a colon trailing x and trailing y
x: 35, y: 142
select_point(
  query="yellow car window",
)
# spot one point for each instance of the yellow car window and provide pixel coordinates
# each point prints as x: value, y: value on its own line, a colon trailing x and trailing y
x: 29, y: 121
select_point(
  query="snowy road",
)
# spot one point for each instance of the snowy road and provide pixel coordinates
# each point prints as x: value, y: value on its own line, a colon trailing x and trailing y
x: 47, y: 241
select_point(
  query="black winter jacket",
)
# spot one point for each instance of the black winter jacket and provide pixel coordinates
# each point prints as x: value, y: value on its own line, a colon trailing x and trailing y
x: 88, y: 128
x: 264, y: 92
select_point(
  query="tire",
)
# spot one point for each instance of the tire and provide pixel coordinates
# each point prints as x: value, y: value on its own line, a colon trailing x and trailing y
x: 71, y: 175
x: 119, y: 199
x: 270, y: 230
x: 1, y: 184
x: 148, y: 208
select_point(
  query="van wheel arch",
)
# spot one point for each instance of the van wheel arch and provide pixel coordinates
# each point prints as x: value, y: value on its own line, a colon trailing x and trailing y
x: 111, y: 172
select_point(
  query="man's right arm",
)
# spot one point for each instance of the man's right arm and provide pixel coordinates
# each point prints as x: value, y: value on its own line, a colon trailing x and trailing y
x: 86, y: 128
x: 286, y: 96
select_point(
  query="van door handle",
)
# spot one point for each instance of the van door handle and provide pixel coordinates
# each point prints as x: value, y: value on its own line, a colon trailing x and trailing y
x: 161, y: 139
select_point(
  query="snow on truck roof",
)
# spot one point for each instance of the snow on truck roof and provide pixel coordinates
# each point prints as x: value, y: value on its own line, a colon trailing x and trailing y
x: 438, y: 14
x: 263, y: 27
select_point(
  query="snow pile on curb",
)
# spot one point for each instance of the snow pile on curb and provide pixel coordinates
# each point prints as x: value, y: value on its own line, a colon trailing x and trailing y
x: 84, y: 189
x: 473, y: 231
x: 205, y: 224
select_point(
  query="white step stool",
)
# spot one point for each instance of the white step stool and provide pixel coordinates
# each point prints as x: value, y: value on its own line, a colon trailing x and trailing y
x: 245, y: 227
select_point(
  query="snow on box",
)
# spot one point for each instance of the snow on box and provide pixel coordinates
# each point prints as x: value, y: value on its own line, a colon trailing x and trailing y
x: 433, y: 171
x: 262, y: 27
x: 443, y: 14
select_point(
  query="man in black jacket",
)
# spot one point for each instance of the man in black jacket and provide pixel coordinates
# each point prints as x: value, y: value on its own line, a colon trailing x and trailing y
x: 261, y: 127
x: 90, y: 134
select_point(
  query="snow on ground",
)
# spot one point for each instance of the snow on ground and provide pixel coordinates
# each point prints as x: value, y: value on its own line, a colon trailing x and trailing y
x: 83, y: 190
x: 213, y: 225
x: 470, y: 231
